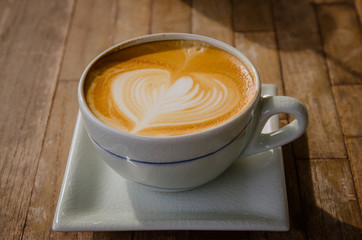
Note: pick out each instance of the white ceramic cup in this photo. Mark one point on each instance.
(182, 162)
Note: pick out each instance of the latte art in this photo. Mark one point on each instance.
(150, 99)
(167, 93)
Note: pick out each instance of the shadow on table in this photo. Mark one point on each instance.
(293, 24)
(305, 36)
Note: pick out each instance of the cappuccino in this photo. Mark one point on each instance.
(168, 88)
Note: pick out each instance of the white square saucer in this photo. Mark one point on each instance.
(250, 195)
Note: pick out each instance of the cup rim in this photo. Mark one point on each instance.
(161, 37)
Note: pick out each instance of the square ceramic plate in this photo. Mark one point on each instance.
(250, 195)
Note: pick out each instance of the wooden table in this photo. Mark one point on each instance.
(311, 50)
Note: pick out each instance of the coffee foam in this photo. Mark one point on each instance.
(169, 88)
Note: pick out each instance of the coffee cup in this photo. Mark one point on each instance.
(173, 111)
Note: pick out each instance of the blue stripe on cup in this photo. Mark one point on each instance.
(175, 162)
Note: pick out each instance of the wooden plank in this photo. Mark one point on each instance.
(329, 199)
(261, 49)
(358, 5)
(305, 77)
(171, 16)
(95, 27)
(296, 214)
(252, 15)
(349, 102)
(32, 40)
(89, 35)
(354, 147)
(132, 20)
(258, 41)
(51, 166)
(112, 235)
(212, 18)
(331, 1)
(342, 38)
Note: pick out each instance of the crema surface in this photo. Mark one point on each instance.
(168, 88)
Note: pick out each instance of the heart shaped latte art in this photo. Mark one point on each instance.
(153, 98)
(168, 88)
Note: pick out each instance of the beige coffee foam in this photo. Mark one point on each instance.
(177, 80)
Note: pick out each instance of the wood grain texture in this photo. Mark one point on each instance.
(89, 35)
(98, 25)
(252, 15)
(212, 18)
(171, 16)
(254, 36)
(355, 153)
(32, 37)
(51, 167)
(257, 40)
(349, 102)
(358, 5)
(331, 1)
(305, 78)
(261, 49)
(342, 40)
(303, 46)
(113, 235)
(131, 20)
(329, 199)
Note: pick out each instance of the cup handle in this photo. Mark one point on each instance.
(269, 106)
